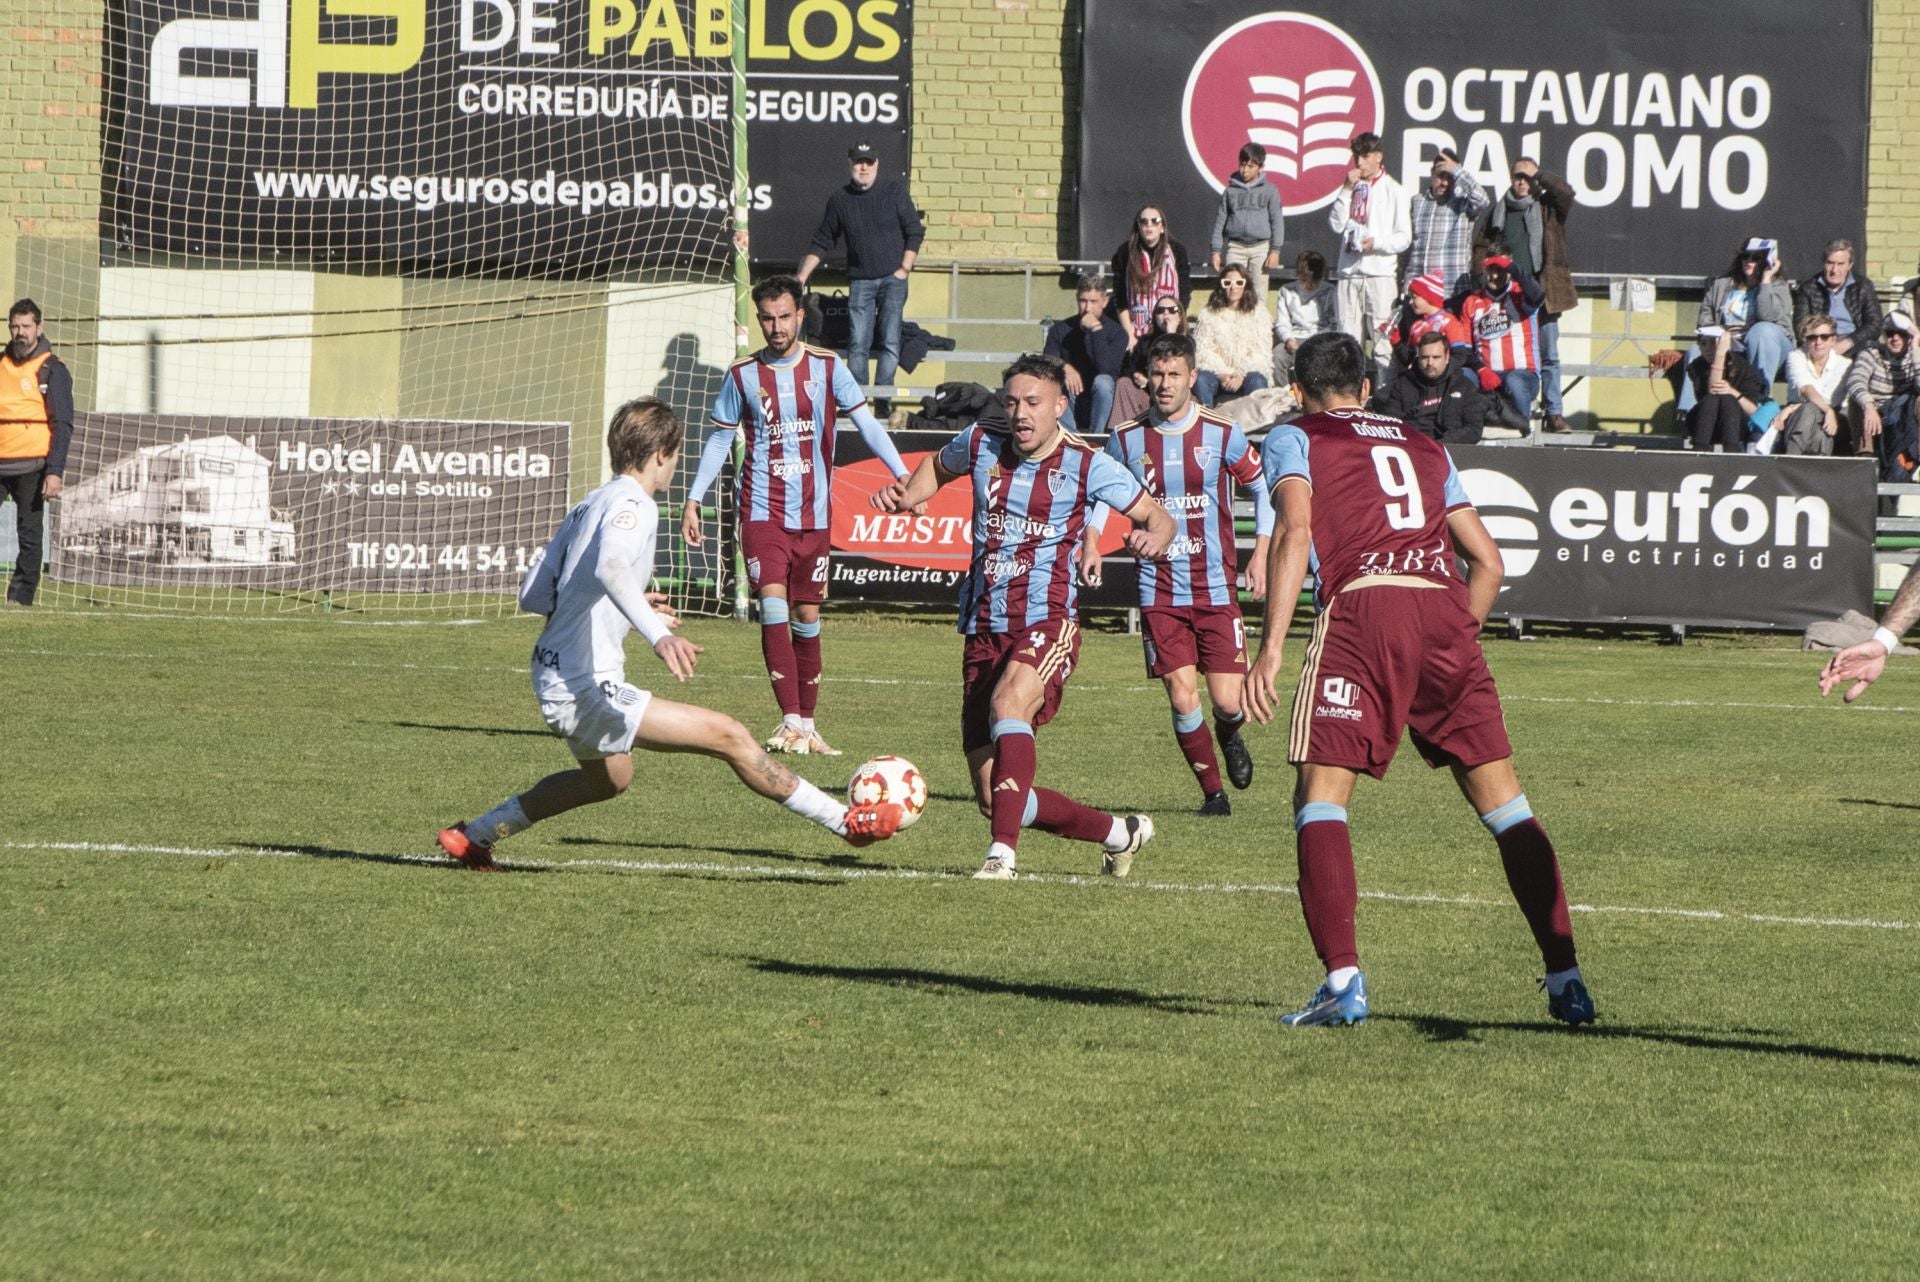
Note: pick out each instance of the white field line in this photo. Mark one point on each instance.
(1812, 705)
(657, 866)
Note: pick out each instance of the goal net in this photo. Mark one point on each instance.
(374, 274)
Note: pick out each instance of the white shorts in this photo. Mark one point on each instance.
(599, 722)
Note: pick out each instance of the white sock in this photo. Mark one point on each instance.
(809, 802)
(792, 721)
(1001, 851)
(499, 823)
(806, 724)
(1557, 982)
(1116, 836)
(1337, 980)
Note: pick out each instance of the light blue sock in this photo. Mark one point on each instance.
(1188, 722)
(1504, 817)
(773, 611)
(1318, 812)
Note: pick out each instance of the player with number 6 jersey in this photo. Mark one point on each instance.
(788, 399)
(1189, 458)
(1375, 508)
(1033, 489)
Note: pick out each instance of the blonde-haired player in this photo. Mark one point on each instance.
(592, 587)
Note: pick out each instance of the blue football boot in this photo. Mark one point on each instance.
(1574, 1005)
(1349, 1006)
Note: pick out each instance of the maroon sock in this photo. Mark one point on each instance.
(806, 665)
(1533, 873)
(1061, 815)
(776, 645)
(1197, 747)
(1328, 893)
(1014, 761)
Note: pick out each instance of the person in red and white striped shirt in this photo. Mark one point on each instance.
(1504, 315)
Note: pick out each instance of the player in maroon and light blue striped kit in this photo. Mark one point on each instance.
(1377, 510)
(790, 397)
(1189, 458)
(1033, 489)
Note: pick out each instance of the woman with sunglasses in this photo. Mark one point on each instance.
(1233, 345)
(1814, 422)
(1151, 265)
(1130, 392)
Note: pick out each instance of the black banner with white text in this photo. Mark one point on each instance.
(1684, 127)
(1646, 536)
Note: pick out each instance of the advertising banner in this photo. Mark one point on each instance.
(1647, 536)
(307, 505)
(1683, 127)
(923, 559)
(466, 136)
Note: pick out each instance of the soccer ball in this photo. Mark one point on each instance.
(890, 779)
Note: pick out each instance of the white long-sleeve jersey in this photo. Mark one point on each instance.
(592, 586)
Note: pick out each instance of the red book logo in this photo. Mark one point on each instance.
(1297, 85)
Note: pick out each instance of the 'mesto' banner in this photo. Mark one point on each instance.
(1615, 536)
(1683, 127)
(466, 136)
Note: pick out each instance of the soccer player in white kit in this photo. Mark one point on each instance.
(592, 587)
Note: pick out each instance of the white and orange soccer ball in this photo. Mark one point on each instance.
(890, 779)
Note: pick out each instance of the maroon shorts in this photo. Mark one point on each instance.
(1050, 648)
(795, 559)
(1388, 658)
(1211, 638)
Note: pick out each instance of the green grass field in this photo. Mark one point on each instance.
(247, 1030)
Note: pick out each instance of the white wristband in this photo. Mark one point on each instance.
(1887, 639)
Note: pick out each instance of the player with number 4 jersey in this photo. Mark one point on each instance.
(1033, 490)
(1376, 510)
(787, 399)
(1189, 458)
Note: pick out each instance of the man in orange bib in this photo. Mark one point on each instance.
(36, 422)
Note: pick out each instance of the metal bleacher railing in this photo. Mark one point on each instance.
(1619, 353)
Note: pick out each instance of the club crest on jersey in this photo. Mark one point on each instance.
(1204, 455)
(1055, 479)
(625, 521)
(814, 387)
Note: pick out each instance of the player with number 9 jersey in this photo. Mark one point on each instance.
(1378, 512)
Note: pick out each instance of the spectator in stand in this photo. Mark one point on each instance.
(1436, 395)
(1306, 307)
(1815, 420)
(1504, 318)
(1247, 229)
(1529, 225)
(1444, 214)
(1752, 304)
(1233, 346)
(1424, 312)
(1373, 217)
(1842, 294)
(36, 426)
(1727, 391)
(1880, 390)
(1151, 265)
(1130, 393)
(883, 232)
(1093, 347)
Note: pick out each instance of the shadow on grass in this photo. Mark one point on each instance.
(945, 981)
(734, 879)
(844, 860)
(490, 731)
(1445, 1028)
(1875, 801)
(374, 857)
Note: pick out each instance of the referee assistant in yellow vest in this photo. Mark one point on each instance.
(36, 422)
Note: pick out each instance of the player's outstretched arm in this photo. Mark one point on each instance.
(713, 458)
(903, 496)
(874, 433)
(1153, 529)
(1286, 573)
(1862, 664)
(1485, 568)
